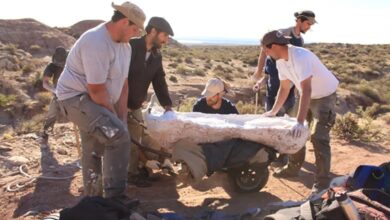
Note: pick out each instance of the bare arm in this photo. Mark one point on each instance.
(260, 65)
(99, 94)
(121, 105)
(304, 101)
(46, 84)
(284, 90)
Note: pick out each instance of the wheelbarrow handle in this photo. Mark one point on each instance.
(158, 152)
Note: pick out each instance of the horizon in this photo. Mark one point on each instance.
(339, 21)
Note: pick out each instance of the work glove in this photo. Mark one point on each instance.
(169, 115)
(297, 130)
(153, 164)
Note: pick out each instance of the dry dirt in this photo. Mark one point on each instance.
(59, 159)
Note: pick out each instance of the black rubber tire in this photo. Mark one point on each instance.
(249, 178)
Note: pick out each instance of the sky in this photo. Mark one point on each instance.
(339, 21)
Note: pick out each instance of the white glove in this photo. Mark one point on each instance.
(169, 115)
(256, 87)
(153, 164)
(297, 130)
(268, 114)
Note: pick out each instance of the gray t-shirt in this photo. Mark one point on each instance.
(95, 59)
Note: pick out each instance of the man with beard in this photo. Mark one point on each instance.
(146, 68)
(304, 20)
(317, 90)
(212, 101)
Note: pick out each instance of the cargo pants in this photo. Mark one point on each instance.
(51, 115)
(135, 123)
(105, 146)
(321, 117)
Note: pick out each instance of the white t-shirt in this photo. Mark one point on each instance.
(301, 64)
(95, 59)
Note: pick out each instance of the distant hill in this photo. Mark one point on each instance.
(33, 36)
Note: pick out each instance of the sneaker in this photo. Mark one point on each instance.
(285, 172)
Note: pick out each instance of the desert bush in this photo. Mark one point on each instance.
(182, 70)
(369, 92)
(186, 104)
(248, 108)
(30, 126)
(6, 100)
(179, 60)
(35, 48)
(43, 97)
(199, 72)
(173, 65)
(353, 127)
(11, 48)
(173, 78)
(386, 118)
(28, 69)
(188, 60)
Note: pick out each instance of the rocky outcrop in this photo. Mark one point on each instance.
(33, 36)
(80, 27)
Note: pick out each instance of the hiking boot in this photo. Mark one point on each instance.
(139, 181)
(286, 172)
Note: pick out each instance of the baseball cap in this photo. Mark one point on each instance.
(132, 12)
(309, 15)
(275, 37)
(161, 24)
(213, 87)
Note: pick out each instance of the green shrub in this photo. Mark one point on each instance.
(173, 78)
(186, 105)
(248, 108)
(32, 125)
(173, 65)
(354, 127)
(188, 60)
(199, 72)
(44, 97)
(28, 68)
(6, 100)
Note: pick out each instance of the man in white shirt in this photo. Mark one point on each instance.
(317, 88)
(92, 93)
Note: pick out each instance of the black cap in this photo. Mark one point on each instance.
(59, 56)
(160, 24)
(275, 37)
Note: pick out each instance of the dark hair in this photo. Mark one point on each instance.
(304, 15)
(149, 28)
(302, 18)
(117, 16)
(269, 46)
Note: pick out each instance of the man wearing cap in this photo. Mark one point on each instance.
(92, 92)
(303, 21)
(212, 101)
(146, 68)
(51, 73)
(317, 88)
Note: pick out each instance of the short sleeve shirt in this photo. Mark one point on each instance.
(95, 59)
(53, 71)
(302, 64)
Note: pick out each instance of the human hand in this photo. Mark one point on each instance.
(268, 114)
(297, 130)
(169, 115)
(153, 164)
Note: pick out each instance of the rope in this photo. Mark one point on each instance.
(19, 184)
(285, 184)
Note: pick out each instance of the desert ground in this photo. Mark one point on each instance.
(361, 134)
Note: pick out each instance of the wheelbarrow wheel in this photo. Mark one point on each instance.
(249, 178)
